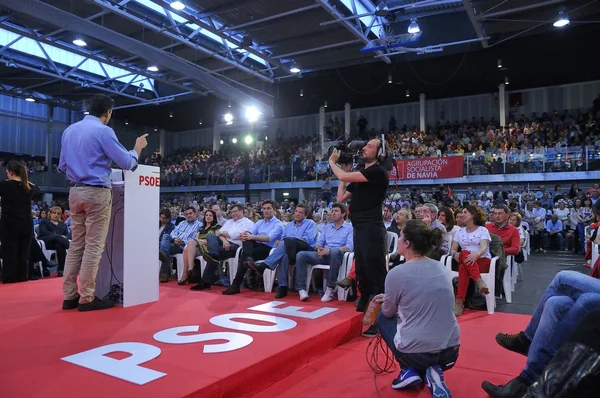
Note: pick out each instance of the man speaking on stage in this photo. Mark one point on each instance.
(366, 190)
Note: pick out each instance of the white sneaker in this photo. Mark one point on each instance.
(303, 295)
(328, 295)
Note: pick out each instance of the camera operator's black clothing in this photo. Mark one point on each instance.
(369, 231)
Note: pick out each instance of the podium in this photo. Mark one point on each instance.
(127, 273)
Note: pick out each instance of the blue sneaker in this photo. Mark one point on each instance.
(407, 377)
(434, 378)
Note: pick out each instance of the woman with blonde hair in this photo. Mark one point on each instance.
(56, 235)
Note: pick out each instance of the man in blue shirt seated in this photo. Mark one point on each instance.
(257, 244)
(174, 242)
(336, 239)
(554, 229)
(300, 235)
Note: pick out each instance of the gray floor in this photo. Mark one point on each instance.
(539, 271)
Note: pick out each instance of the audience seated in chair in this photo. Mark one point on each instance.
(416, 319)
(256, 244)
(165, 226)
(299, 235)
(174, 242)
(474, 257)
(55, 235)
(198, 247)
(569, 297)
(336, 239)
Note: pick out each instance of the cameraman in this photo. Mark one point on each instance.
(367, 189)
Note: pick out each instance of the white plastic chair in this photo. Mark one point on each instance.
(526, 248)
(392, 246)
(507, 281)
(489, 279)
(47, 253)
(179, 262)
(594, 253)
(269, 275)
(232, 263)
(343, 272)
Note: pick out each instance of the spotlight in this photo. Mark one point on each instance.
(248, 140)
(11, 64)
(414, 27)
(562, 20)
(152, 68)
(79, 42)
(506, 82)
(221, 142)
(234, 140)
(228, 117)
(126, 122)
(200, 122)
(30, 99)
(325, 104)
(266, 138)
(171, 114)
(155, 129)
(229, 104)
(295, 69)
(252, 114)
(302, 92)
(390, 79)
(177, 5)
(408, 93)
(86, 113)
(499, 63)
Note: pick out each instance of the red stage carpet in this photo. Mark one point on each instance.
(344, 373)
(35, 334)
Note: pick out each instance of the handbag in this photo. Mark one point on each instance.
(520, 258)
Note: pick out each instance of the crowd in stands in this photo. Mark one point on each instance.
(550, 142)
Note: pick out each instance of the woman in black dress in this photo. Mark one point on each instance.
(16, 228)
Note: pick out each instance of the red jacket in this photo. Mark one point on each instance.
(510, 238)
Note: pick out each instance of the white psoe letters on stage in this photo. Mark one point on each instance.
(130, 369)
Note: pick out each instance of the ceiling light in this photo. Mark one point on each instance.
(155, 129)
(30, 99)
(325, 104)
(200, 122)
(286, 194)
(171, 114)
(11, 64)
(506, 81)
(221, 142)
(295, 69)
(302, 92)
(79, 42)
(228, 117)
(126, 122)
(177, 5)
(408, 93)
(234, 140)
(248, 140)
(390, 79)
(499, 63)
(86, 112)
(413, 27)
(266, 138)
(562, 20)
(152, 68)
(252, 114)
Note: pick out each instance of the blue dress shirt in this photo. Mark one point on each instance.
(186, 231)
(87, 149)
(307, 230)
(333, 237)
(273, 228)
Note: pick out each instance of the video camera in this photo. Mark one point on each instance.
(350, 153)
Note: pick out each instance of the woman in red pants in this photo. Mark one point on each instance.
(474, 257)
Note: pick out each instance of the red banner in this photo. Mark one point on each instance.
(428, 168)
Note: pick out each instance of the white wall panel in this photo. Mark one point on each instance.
(188, 139)
(462, 108)
(577, 96)
(307, 125)
(379, 117)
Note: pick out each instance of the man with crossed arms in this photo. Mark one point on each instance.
(337, 238)
(300, 235)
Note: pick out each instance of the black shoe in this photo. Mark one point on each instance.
(231, 290)
(251, 265)
(371, 331)
(516, 388)
(59, 274)
(45, 272)
(281, 292)
(97, 304)
(163, 278)
(163, 257)
(201, 286)
(514, 342)
(71, 304)
(362, 305)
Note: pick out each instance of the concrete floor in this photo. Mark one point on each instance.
(539, 271)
